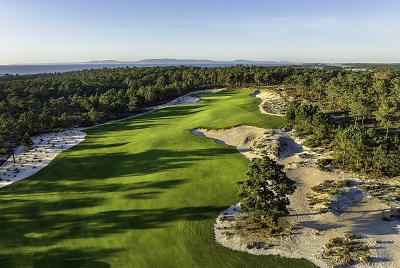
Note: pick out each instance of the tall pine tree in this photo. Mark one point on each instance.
(265, 191)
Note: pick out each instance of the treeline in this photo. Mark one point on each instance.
(333, 106)
(375, 66)
(356, 113)
(32, 104)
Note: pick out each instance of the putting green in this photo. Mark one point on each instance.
(139, 193)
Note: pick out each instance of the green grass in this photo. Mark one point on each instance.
(139, 193)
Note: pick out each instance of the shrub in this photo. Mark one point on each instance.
(323, 162)
(345, 250)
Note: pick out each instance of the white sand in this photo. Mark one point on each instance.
(240, 137)
(267, 96)
(44, 149)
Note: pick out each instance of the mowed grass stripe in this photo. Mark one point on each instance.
(139, 193)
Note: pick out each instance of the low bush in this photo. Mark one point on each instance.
(323, 162)
(346, 250)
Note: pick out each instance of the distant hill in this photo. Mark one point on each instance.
(195, 62)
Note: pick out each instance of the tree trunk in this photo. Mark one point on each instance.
(387, 133)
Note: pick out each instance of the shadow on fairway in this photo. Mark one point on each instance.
(215, 96)
(120, 126)
(30, 223)
(36, 222)
(60, 257)
(23, 194)
(175, 111)
(113, 165)
(145, 121)
(96, 145)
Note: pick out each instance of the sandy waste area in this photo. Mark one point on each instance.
(353, 211)
(43, 150)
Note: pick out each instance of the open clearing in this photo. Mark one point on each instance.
(138, 193)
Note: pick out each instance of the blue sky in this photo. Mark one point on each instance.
(38, 31)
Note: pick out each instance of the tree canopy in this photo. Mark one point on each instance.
(265, 191)
(325, 99)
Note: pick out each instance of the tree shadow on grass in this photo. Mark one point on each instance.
(77, 196)
(173, 112)
(149, 120)
(42, 228)
(215, 96)
(128, 124)
(95, 145)
(120, 171)
(36, 222)
(60, 257)
(114, 165)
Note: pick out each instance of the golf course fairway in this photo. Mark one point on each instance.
(143, 192)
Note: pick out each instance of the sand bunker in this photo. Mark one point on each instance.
(272, 102)
(255, 142)
(187, 99)
(44, 149)
(240, 137)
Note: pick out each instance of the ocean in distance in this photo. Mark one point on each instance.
(23, 69)
(61, 68)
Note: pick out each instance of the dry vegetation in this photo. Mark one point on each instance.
(346, 250)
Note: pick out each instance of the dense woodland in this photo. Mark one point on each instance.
(32, 104)
(356, 113)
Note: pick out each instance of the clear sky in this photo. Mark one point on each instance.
(39, 31)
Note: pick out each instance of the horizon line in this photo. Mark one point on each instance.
(110, 61)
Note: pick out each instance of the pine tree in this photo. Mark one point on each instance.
(265, 191)
(26, 140)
